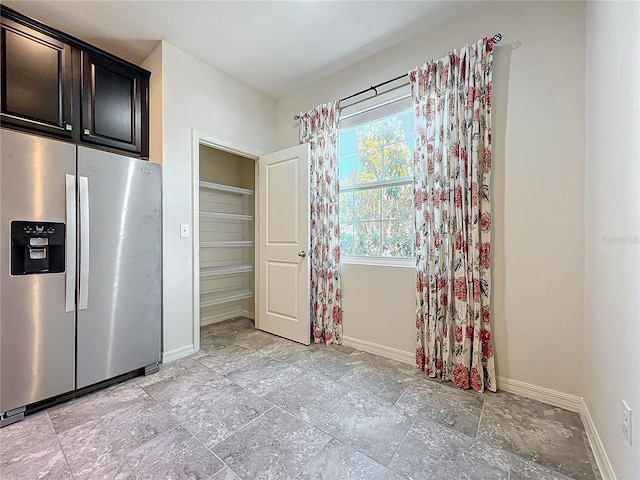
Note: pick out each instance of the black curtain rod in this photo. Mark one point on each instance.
(496, 38)
(374, 87)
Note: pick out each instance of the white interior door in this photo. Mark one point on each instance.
(282, 262)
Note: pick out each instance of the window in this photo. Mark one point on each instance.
(376, 186)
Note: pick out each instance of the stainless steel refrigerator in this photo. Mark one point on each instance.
(80, 283)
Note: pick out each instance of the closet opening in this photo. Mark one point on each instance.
(223, 240)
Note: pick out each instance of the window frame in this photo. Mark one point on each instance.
(374, 113)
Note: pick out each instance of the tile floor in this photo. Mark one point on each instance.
(250, 405)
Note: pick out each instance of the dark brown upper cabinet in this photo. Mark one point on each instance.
(56, 85)
(36, 80)
(111, 104)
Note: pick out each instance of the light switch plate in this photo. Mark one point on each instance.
(184, 230)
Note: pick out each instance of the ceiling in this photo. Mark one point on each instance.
(275, 47)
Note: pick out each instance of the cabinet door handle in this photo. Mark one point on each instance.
(87, 132)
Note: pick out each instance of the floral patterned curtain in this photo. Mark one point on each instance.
(319, 128)
(452, 118)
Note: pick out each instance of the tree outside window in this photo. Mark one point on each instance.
(376, 188)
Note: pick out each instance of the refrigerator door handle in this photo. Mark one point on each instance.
(70, 261)
(84, 243)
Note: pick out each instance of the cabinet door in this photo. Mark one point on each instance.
(36, 80)
(111, 104)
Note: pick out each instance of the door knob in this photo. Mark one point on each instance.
(302, 254)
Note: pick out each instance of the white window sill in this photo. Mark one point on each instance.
(379, 261)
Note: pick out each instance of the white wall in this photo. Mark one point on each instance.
(380, 306)
(538, 188)
(198, 97)
(612, 198)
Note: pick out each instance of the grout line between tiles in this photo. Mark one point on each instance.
(224, 464)
(480, 419)
(116, 460)
(395, 404)
(317, 427)
(400, 396)
(243, 427)
(361, 452)
(200, 441)
(401, 442)
(66, 460)
(352, 446)
(345, 374)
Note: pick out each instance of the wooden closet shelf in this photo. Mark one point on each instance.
(231, 244)
(225, 188)
(226, 270)
(225, 216)
(224, 296)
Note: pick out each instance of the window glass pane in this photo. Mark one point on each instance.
(347, 141)
(369, 161)
(406, 121)
(397, 202)
(370, 134)
(397, 239)
(411, 147)
(398, 160)
(346, 207)
(348, 174)
(367, 204)
(377, 221)
(346, 239)
(393, 132)
(382, 150)
(367, 238)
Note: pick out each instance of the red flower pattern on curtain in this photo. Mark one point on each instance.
(319, 128)
(452, 121)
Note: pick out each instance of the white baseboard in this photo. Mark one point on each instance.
(221, 317)
(602, 459)
(173, 355)
(542, 394)
(546, 395)
(382, 350)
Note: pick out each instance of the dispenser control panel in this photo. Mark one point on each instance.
(37, 247)
(40, 230)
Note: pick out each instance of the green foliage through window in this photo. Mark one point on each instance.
(376, 188)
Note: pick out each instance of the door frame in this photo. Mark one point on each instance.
(200, 138)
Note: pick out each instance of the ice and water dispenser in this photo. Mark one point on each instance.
(37, 247)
